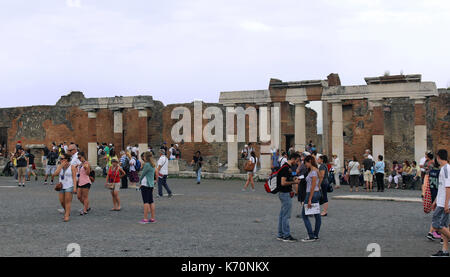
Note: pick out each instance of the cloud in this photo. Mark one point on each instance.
(73, 3)
(254, 26)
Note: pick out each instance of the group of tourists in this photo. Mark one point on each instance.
(306, 176)
(21, 165)
(76, 176)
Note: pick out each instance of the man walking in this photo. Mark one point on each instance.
(442, 202)
(286, 180)
(163, 169)
(52, 158)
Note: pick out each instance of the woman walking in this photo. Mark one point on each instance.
(197, 162)
(84, 183)
(312, 197)
(147, 184)
(68, 182)
(253, 160)
(115, 174)
(324, 182)
(354, 169)
(379, 173)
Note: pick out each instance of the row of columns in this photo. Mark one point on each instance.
(118, 133)
(337, 135)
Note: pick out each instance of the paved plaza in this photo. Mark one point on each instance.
(212, 219)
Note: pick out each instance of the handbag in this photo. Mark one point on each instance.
(58, 187)
(249, 166)
(427, 203)
(330, 188)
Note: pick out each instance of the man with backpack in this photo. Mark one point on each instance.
(285, 180)
(52, 159)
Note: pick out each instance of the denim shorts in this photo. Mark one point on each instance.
(440, 218)
(66, 190)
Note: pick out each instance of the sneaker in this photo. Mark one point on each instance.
(436, 235)
(45, 183)
(170, 195)
(253, 190)
(152, 221)
(61, 211)
(198, 183)
(280, 238)
(144, 221)
(289, 239)
(440, 254)
(430, 237)
(309, 240)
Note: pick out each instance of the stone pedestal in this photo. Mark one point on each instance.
(173, 166)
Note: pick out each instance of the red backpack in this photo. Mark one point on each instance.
(272, 185)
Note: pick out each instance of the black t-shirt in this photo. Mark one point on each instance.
(46, 151)
(198, 160)
(325, 176)
(21, 161)
(367, 164)
(52, 158)
(30, 158)
(285, 172)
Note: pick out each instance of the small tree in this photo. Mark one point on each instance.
(387, 73)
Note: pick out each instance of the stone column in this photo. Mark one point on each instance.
(143, 131)
(378, 129)
(118, 131)
(420, 129)
(232, 144)
(264, 137)
(276, 126)
(337, 131)
(92, 141)
(300, 127)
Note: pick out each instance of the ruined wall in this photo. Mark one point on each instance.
(358, 122)
(44, 125)
(217, 151)
(399, 130)
(438, 121)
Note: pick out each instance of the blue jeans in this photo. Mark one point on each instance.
(199, 175)
(162, 182)
(312, 234)
(285, 214)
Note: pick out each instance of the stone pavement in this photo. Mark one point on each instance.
(212, 219)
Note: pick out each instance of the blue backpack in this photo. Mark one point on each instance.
(138, 165)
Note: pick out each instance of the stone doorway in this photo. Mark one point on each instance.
(4, 137)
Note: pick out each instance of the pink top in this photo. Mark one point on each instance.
(84, 177)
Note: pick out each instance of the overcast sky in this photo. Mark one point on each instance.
(179, 51)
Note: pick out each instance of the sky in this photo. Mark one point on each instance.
(184, 50)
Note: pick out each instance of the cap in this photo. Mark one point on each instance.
(114, 160)
(162, 151)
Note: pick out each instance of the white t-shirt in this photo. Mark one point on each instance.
(75, 161)
(444, 183)
(164, 163)
(353, 166)
(172, 153)
(371, 157)
(336, 164)
(254, 160)
(144, 182)
(422, 163)
(135, 150)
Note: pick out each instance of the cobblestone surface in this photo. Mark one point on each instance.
(212, 219)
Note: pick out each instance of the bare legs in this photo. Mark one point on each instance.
(116, 200)
(149, 208)
(249, 180)
(83, 196)
(66, 202)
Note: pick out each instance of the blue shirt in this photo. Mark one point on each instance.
(275, 162)
(379, 167)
